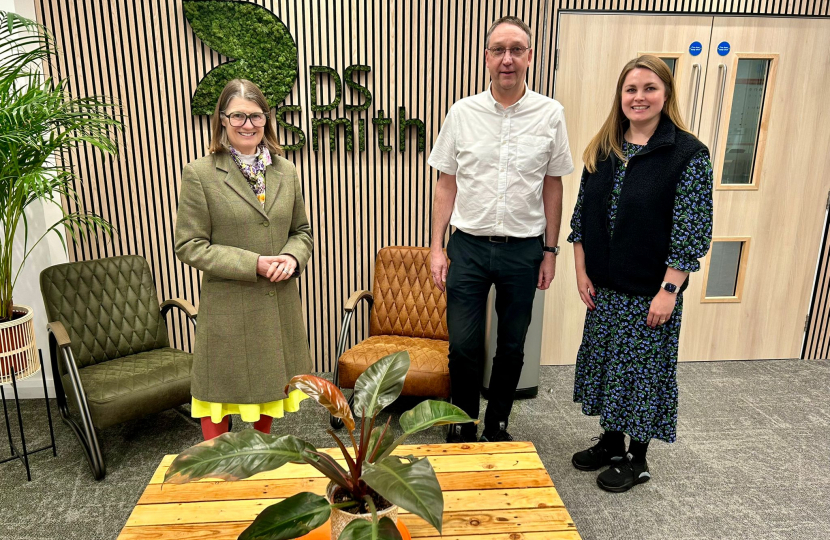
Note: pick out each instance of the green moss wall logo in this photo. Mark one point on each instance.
(262, 50)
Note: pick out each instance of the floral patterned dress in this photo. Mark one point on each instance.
(626, 372)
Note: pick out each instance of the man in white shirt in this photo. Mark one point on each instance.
(501, 155)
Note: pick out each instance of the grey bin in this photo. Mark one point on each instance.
(529, 381)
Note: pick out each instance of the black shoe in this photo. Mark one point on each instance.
(499, 435)
(597, 457)
(622, 477)
(459, 435)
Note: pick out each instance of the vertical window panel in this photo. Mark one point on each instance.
(743, 133)
(725, 270)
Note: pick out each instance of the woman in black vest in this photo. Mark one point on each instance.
(642, 220)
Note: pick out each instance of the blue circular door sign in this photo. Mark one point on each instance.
(695, 48)
(723, 48)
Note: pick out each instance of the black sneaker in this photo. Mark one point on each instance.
(499, 435)
(622, 477)
(597, 457)
(457, 434)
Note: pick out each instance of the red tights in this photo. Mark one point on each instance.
(211, 430)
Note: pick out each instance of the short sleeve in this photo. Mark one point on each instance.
(443, 155)
(560, 162)
(692, 216)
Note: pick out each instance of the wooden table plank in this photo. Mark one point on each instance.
(253, 489)
(199, 531)
(493, 521)
(243, 510)
(440, 463)
(545, 535)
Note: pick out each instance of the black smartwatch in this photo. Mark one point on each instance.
(551, 249)
(669, 287)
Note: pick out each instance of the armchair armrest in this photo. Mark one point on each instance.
(60, 334)
(181, 304)
(356, 297)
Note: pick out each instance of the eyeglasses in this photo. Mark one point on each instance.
(238, 119)
(515, 52)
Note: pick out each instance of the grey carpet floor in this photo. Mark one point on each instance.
(751, 460)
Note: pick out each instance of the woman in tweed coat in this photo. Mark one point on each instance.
(242, 222)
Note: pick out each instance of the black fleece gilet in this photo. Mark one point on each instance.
(633, 261)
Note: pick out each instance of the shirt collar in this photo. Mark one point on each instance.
(498, 106)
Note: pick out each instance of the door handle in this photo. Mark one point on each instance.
(696, 69)
(721, 70)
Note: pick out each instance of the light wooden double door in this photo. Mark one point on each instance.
(756, 94)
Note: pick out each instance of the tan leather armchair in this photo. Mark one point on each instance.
(408, 312)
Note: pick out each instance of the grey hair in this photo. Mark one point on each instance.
(515, 21)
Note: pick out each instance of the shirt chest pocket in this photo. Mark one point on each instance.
(532, 153)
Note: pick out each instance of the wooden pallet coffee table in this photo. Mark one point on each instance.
(492, 491)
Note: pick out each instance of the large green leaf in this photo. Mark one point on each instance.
(326, 394)
(412, 486)
(425, 415)
(296, 516)
(432, 413)
(360, 529)
(234, 456)
(380, 384)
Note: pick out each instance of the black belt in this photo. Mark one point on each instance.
(500, 239)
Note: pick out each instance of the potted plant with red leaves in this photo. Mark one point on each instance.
(374, 481)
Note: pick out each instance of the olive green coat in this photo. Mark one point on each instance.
(250, 336)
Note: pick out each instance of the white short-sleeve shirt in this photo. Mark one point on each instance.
(500, 157)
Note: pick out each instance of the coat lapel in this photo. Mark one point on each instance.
(237, 182)
(273, 181)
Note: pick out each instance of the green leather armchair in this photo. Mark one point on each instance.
(108, 343)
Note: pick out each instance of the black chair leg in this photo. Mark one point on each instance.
(85, 432)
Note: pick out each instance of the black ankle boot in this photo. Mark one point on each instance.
(600, 455)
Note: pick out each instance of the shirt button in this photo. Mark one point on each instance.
(271, 293)
(502, 169)
(265, 224)
(499, 222)
(504, 141)
(501, 197)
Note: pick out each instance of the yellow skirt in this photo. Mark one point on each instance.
(249, 412)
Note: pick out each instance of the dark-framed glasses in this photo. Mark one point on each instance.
(238, 119)
(515, 52)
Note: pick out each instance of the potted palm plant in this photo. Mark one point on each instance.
(374, 481)
(40, 122)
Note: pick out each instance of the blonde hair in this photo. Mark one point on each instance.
(245, 89)
(610, 136)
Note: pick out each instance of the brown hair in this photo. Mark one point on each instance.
(515, 21)
(610, 136)
(244, 89)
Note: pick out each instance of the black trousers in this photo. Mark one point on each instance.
(476, 263)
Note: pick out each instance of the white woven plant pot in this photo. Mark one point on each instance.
(339, 518)
(18, 351)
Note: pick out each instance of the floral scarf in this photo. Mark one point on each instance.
(254, 174)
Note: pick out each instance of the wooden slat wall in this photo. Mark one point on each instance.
(806, 8)
(817, 327)
(423, 55)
